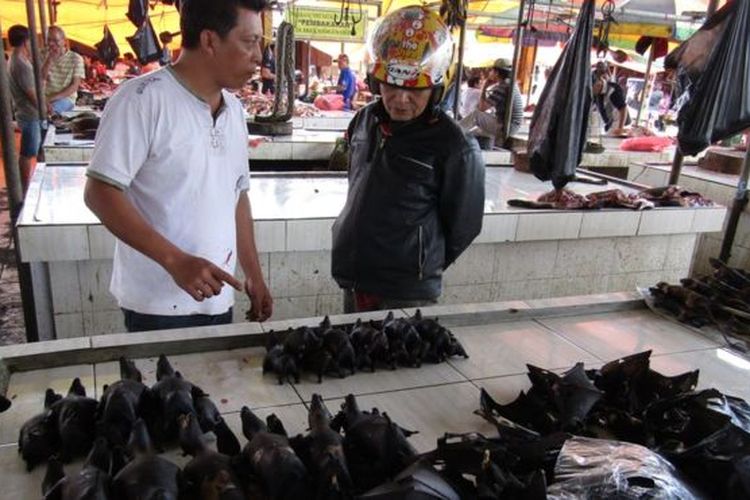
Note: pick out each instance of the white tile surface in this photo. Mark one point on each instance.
(576, 258)
(707, 220)
(308, 235)
(65, 287)
(270, 236)
(607, 224)
(474, 266)
(432, 411)
(69, 325)
(295, 274)
(719, 368)
(383, 380)
(612, 335)
(467, 294)
(26, 392)
(525, 261)
(680, 251)
(639, 254)
(666, 221)
(554, 226)
(101, 242)
(498, 228)
(51, 243)
(232, 378)
(294, 418)
(95, 276)
(506, 348)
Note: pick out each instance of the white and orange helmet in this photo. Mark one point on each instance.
(410, 47)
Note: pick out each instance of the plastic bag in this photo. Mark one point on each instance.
(716, 60)
(598, 468)
(558, 128)
(145, 44)
(107, 48)
(648, 144)
(137, 12)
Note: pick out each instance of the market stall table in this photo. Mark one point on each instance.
(499, 337)
(520, 254)
(717, 186)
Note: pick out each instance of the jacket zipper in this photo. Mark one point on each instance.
(421, 253)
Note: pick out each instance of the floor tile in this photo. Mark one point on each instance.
(26, 392)
(20, 484)
(432, 411)
(719, 368)
(505, 389)
(233, 378)
(506, 348)
(613, 335)
(382, 380)
(294, 418)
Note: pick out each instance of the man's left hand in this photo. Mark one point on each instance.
(261, 302)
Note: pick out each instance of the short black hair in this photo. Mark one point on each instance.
(17, 35)
(473, 81)
(219, 16)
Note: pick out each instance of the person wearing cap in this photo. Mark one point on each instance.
(609, 99)
(416, 180)
(488, 120)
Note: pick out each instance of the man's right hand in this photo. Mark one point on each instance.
(200, 278)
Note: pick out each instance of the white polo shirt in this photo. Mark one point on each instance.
(184, 172)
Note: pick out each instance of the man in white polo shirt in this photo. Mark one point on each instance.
(169, 177)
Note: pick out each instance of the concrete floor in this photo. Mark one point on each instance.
(433, 399)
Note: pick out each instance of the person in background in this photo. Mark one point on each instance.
(488, 120)
(169, 177)
(62, 71)
(23, 93)
(470, 96)
(268, 70)
(609, 100)
(416, 180)
(133, 67)
(347, 84)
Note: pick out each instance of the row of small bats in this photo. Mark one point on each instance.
(122, 435)
(342, 349)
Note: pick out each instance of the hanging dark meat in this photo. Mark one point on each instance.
(558, 128)
(716, 63)
(137, 12)
(145, 44)
(107, 48)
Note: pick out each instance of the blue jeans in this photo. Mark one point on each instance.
(137, 322)
(61, 105)
(31, 137)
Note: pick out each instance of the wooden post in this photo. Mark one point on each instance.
(738, 206)
(36, 60)
(43, 21)
(459, 72)
(514, 66)
(15, 200)
(646, 85)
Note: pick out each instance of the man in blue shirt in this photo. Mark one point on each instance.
(347, 85)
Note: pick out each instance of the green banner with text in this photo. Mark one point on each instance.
(312, 23)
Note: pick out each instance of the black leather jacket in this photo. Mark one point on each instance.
(415, 202)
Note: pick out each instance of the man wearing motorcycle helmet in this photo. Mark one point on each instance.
(416, 181)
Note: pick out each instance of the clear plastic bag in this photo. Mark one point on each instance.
(596, 468)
